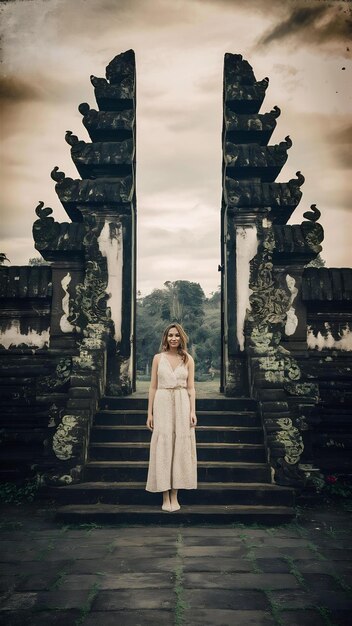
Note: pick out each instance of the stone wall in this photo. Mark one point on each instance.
(34, 377)
(327, 297)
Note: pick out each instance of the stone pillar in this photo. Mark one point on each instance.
(250, 201)
(105, 201)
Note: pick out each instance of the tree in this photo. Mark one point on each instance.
(184, 302)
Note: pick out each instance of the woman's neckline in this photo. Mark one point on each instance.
(169, 362)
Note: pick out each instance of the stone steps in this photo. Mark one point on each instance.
(229, 434)
(195, 514)
(207, 470)
(234, 479)
(139, 451)
(202, 404)
(206, 493)
(206, 418)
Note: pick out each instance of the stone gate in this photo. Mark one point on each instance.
(68, 328)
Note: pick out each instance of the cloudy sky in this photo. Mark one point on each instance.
(51, 47)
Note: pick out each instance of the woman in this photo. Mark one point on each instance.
(172, 419)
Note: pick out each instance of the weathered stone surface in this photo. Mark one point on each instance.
(108, 125)
(61, 599)
(148, 617)
(121, 65)
(298, 240)
(281, 198)
(112, 566)
(25, 282)
(323, 283)
(276, 553)
(134, 599)
(245, 581)
(213, 564)
(19, 602)
(334, 600)
(227, 541)
(273, 565)
(321, 582)
(103, 153)
(95, 192)
(223, 617)
(40, 618)
(247, 160)
(134, 580)
(244, 127)
(212, 551)
(234, 599)
(54, 236)
(307, 617)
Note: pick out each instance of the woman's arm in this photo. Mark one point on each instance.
(191, 390)
(152, 389)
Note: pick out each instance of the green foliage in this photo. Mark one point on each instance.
(12, 493)
(85, 609)
(331, 486)
(184, 302)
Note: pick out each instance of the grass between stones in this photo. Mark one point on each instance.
(275, 607)
(340, 581)
(315, 551)
(250, 556)
(60, 577)
(85, 609)
(181, 605)
(325, 615)
(295, 571)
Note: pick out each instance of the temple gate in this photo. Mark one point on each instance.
(67, 336)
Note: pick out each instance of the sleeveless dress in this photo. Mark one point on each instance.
(172, 455)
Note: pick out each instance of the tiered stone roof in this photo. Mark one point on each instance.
(250, 166)
(107, 165)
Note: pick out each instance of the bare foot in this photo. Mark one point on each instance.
(166, 506)
(173, 500)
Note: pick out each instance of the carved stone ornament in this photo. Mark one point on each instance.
(57, 379)
(65, 437)
(45, 229)
(274, 365)
(89, 306)
(291, 438)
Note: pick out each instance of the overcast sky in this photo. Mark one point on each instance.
(51, 47)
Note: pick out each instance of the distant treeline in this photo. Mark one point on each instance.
(184, 302)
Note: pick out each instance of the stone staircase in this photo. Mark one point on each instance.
(233, 475)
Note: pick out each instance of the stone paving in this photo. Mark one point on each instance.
(293, 575)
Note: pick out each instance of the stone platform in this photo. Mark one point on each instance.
(294, 574)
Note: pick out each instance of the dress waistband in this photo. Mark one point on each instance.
(173, 388)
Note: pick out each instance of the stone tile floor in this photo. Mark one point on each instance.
(292, 575)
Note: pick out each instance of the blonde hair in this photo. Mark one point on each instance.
(182, 348)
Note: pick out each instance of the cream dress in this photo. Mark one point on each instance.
(172, 457)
